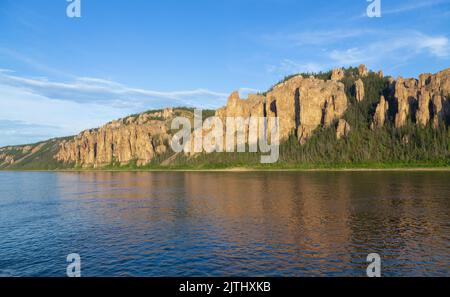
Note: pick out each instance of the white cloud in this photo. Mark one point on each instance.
(48, 117)
(87, 89)
(398, 47)
(46, 109)
(438, 46)
(377, 49)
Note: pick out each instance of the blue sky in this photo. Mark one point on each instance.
(60, 75)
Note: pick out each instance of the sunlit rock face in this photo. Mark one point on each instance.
(337, 74)
(136, 138)
(426, 98)
(359, 90)
(362, 70)
(380, 115)
(343, 129)
(301, 104)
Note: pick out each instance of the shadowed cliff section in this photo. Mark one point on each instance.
(342, 118)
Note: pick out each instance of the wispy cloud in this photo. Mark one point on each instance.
(95, 90)
(395, 47)
(375, 48)
(20, 132)
(34, 109)
(288, 66)
(30, 61)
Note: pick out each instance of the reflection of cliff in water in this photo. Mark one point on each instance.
(304, 219)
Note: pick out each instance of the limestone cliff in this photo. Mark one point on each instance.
(380, 116)
(359, 90)
(425, 99)
(343, 129)
(337, 74)
(133, 139)
(302, 105)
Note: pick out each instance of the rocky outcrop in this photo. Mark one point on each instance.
(423, 99)
(301, 104)
(362, 70)
(438, 110)
(337, 74)
(380, 115)
(237, 107)
(423, 112)
(406, 97)
(359, 90)
(342, 129)
(134, 139)
(6, 159)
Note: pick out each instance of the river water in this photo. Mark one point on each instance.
(225, 223)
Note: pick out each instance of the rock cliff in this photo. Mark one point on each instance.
(343, 129)
(380, 115)
(359, 90)
(133, 139)
(337, 74)
(424, 100)
(302, 105)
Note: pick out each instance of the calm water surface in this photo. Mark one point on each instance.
(222, 224)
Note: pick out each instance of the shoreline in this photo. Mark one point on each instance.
(238, 170)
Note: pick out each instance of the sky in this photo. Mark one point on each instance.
(61, 75)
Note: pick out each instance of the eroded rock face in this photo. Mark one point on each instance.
(337, 74)
(425, 98)
(237, 107)
(305, 104)
(362, 70)
(138, 139)
(423, 112)
(9, 160)
(15, 155)
(359, 90)
(380, 115)
(342, 129)
(6, 159)
(406, 96)
(438, 110)
(302, 105)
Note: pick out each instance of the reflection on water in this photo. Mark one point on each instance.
(221, 224)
